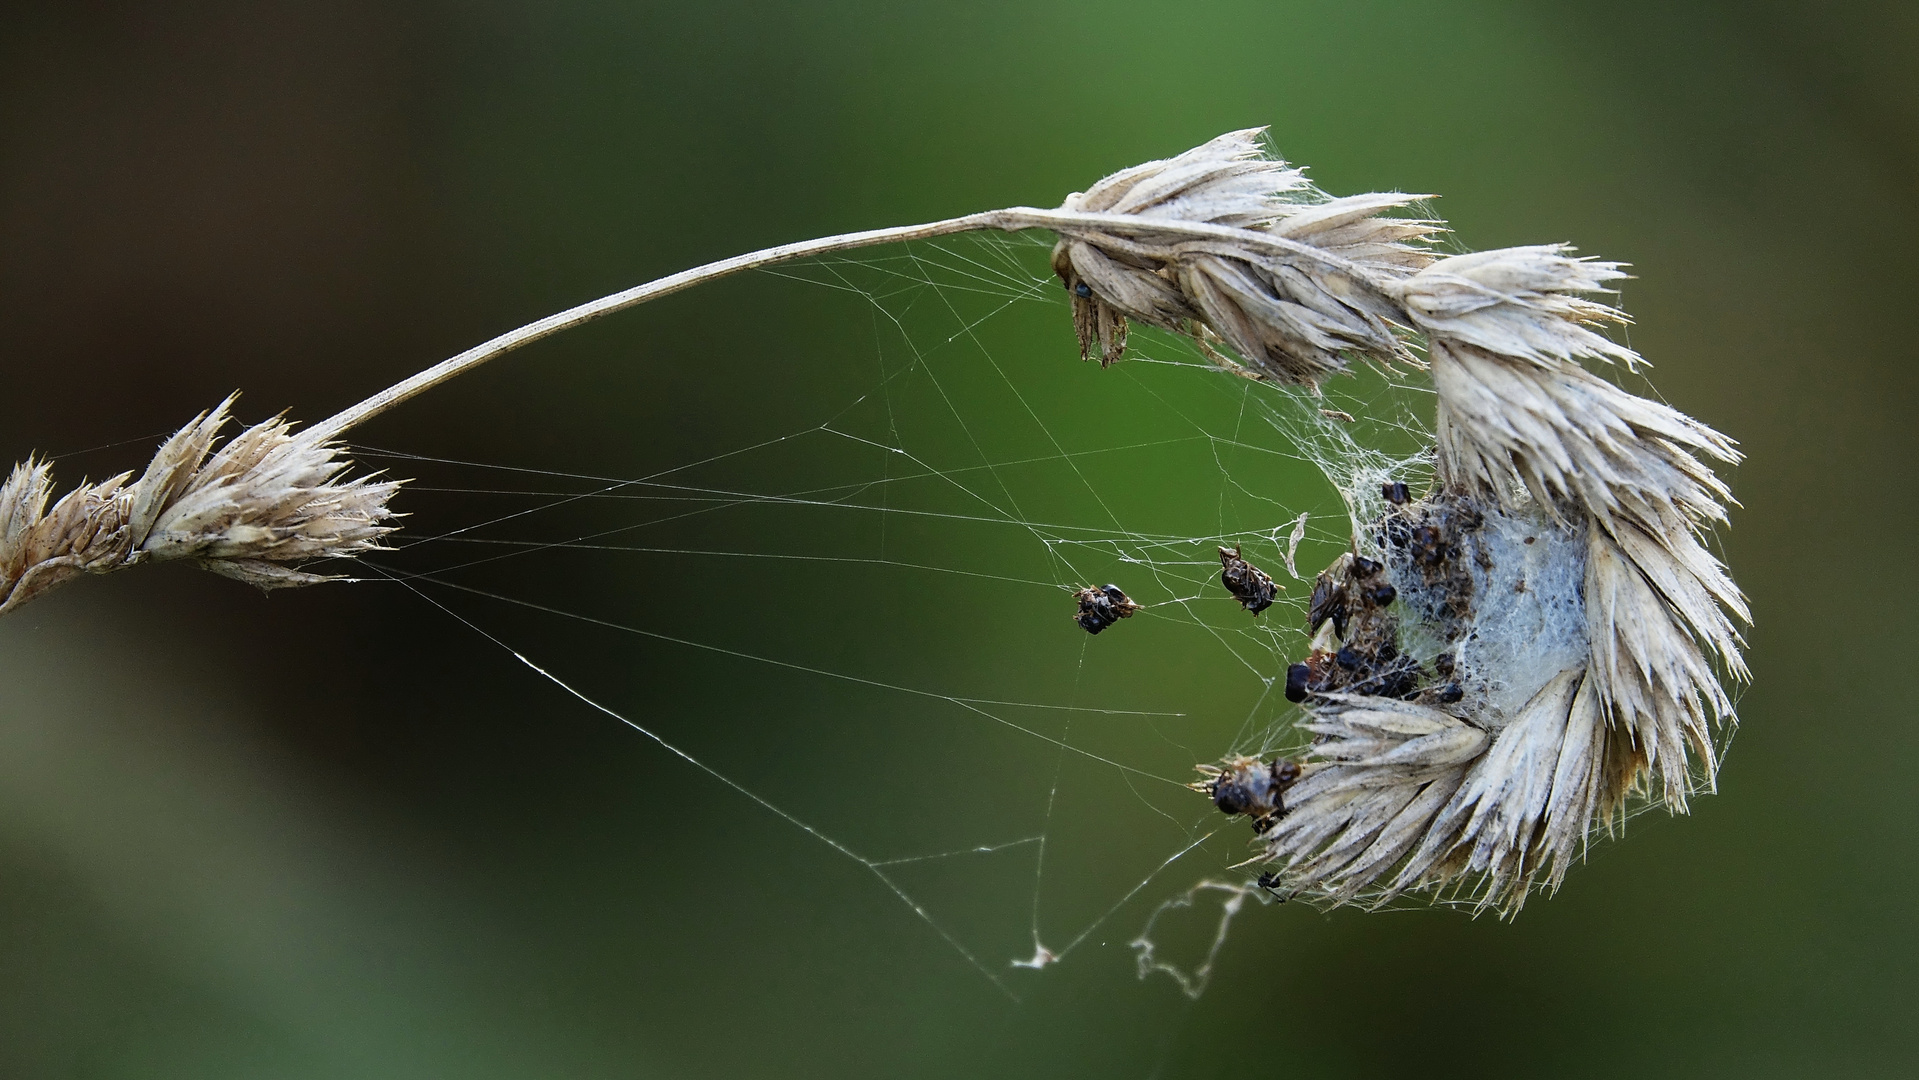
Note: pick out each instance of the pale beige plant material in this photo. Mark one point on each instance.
(248, 509)
(1293, 312)
(1489, 784)
(1401, 795)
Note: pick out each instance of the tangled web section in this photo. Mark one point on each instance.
(898, 595)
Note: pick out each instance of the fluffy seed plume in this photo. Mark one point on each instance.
(249, 509)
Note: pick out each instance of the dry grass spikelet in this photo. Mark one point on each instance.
(1517, 413)
(1293, 308)
(1407, 787)
(249, 509)
(1525, 431)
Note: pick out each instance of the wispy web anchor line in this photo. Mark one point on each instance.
(877, 867)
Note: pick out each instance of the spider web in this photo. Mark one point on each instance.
(930, 534)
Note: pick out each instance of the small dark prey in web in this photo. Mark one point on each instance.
(1248, 583)
(1252, 787)
(1434, 544)
(1270, 881)
(1100, 608)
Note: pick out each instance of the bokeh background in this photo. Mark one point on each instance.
(339, 833)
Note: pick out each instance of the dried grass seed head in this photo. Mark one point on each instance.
(1293, 288)
(250, 509)
(267, 496)
(41, 548)
(1459, 750)
(1440, 788)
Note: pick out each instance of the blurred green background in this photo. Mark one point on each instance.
(338, 833)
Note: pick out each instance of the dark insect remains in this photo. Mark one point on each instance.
(1248, 583)
(1100, 608)
(1275, 885)
(1435, 544)
(1252, 787)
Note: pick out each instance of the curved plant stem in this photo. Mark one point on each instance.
(1012, 219)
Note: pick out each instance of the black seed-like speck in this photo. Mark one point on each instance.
(1231, 798)
(1296, 677)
